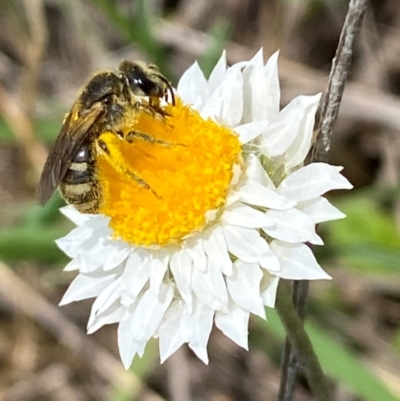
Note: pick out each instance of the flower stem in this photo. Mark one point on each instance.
(289, 361)
(301, 349)
(326, 120)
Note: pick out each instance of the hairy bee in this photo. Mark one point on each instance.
(101, 106)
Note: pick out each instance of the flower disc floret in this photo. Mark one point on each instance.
(187, 165)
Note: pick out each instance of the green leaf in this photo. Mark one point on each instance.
(6, 135)
(43, 216)
(371, 257)
(31, 243)
(338, 361)
(368, 238)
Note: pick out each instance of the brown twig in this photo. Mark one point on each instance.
(337, 79)
(327, 118)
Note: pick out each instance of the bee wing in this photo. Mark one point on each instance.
(73, 132)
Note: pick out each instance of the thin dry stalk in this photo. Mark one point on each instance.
(337, 79)
(327, 118)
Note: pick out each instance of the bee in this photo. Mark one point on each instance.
(101, 106)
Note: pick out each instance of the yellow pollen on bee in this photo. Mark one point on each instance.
(158, 190)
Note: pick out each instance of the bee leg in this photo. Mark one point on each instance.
(107, 144)
(153, 108)
(131, 136)
(141, 182)
(155, 105)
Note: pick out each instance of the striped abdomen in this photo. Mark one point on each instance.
(79, 185)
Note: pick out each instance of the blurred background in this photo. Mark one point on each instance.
(48, 49)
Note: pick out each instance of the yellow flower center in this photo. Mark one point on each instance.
(159, 183)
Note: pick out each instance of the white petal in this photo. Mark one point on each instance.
(181, 268)
(97, 221)
(92, 259)
(292, 226)
(255, 64)
(268, 260)
(159, 264)
(114, 314)
(232, 93)
(196, 329)
(311, 181)
(213, 108)
(170, 338)
(150, 311)
(229, 111)
(85, 286)
(265, 97)
(74, 215)
(256, 172)
(242, 215)
(74, 264)
(128, 346)
(282, 131)
(216, 249)
(297, 262)
(107, 297)
(256, 194)
(194, 248)
(320, 210)
(274, 91)
(218, 73)
(298, 151)
(117, 253)
(135, 275)
(247, 132)
(210, 288)
(234, 324)
(71, 243)
(242, 242)
(193, 87)
(269, 286)
(244, 287)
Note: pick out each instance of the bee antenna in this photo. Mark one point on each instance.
(171, 91)
(169, 86)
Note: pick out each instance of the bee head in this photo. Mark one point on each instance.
(145, 79)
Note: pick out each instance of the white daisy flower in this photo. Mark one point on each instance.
(233, 213)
